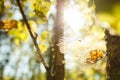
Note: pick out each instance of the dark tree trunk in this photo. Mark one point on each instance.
(58, 31)
(56, 71)
(113, 57)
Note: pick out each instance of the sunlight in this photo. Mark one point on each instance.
(74, 18)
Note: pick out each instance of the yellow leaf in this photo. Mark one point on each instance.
(33, 25)
(23, 36)
(17, 41)
(31, 14)
(45, 35)
(42, 8)
(19, 33)
(43, 47)
(20, 25)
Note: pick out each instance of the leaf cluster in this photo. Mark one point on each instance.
(44, 40)
(19, 34)
(41, 8)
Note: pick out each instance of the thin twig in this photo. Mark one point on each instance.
(32, 36)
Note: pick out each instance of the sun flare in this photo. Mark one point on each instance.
(74, 18)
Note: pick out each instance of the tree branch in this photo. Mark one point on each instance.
(32, 36)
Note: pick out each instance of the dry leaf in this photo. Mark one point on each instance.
(95, 55)
(8, 24)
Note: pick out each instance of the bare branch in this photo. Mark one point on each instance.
(32, 36)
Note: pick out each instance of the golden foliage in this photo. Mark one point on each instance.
(43, 47)
(42, 8)
(45, 35)
(19, 34)
(8, 24)
(44, 40)
(95, 55)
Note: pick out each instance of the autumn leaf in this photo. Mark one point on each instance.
(95, 55)
(8, 24)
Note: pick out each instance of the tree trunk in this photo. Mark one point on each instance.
(113, 57)
(57, 68)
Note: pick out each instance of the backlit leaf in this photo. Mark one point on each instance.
(19, 34)
(45, 35)
(8, 24)
(41, 8)
(43, 47)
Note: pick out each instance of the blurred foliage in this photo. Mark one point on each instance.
(1, 7)
(113, 17)
(87, 74)
(44, 40)
(42, 8)
(19, 34)
(45, 36)
(33, 26)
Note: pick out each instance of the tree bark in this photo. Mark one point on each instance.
(57, 70)
(113, 56)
